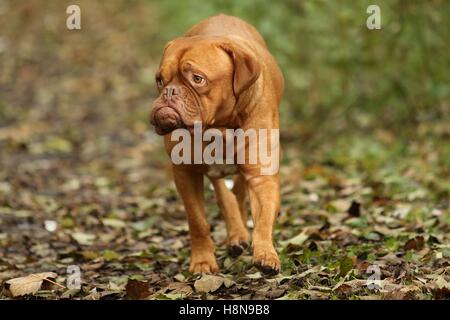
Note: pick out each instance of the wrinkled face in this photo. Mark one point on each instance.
(195, 81)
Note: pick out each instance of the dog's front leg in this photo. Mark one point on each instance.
(264, 192)
(190, 187)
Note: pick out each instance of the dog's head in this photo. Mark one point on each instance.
(200, 78)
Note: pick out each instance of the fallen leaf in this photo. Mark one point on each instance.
(110, 255)
(83, 238)
(114, 223)
(208, 283)
(406, 293)
(256, 275)
(441, 293)
(275, 293)
(29, 284)
(345, 266)
(355, 209)
(297, 240)
(136, 289)
(228, 282)
(442, 283)
(180, 288)
(340, 205)
(416, 243)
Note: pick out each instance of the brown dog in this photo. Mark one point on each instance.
(221, 74)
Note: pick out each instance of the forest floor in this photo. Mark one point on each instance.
(84, 183)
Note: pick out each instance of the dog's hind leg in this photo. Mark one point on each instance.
(237, 234)
(240, 191)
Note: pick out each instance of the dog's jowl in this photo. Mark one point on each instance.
(221, 75)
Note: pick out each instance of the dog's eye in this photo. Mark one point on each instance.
(198, 79)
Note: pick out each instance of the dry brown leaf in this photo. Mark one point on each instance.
(180, 288)
(416, 243)
(208, 283)
(136, 289)
(355, 209)
(406, 293)
(341, 205)
(29, 284)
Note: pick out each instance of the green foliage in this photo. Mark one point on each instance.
(335, 68)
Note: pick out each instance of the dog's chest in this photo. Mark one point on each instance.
(221, 170)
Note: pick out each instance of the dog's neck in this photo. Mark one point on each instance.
(249, 106)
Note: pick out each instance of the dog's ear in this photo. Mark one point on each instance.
(246, 67)
(172, 42)
(168, 44)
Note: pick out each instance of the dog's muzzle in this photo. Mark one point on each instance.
(165, 120)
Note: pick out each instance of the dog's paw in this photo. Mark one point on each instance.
(235, 249)
(237, 242)
(204, 266)
(266, 260)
